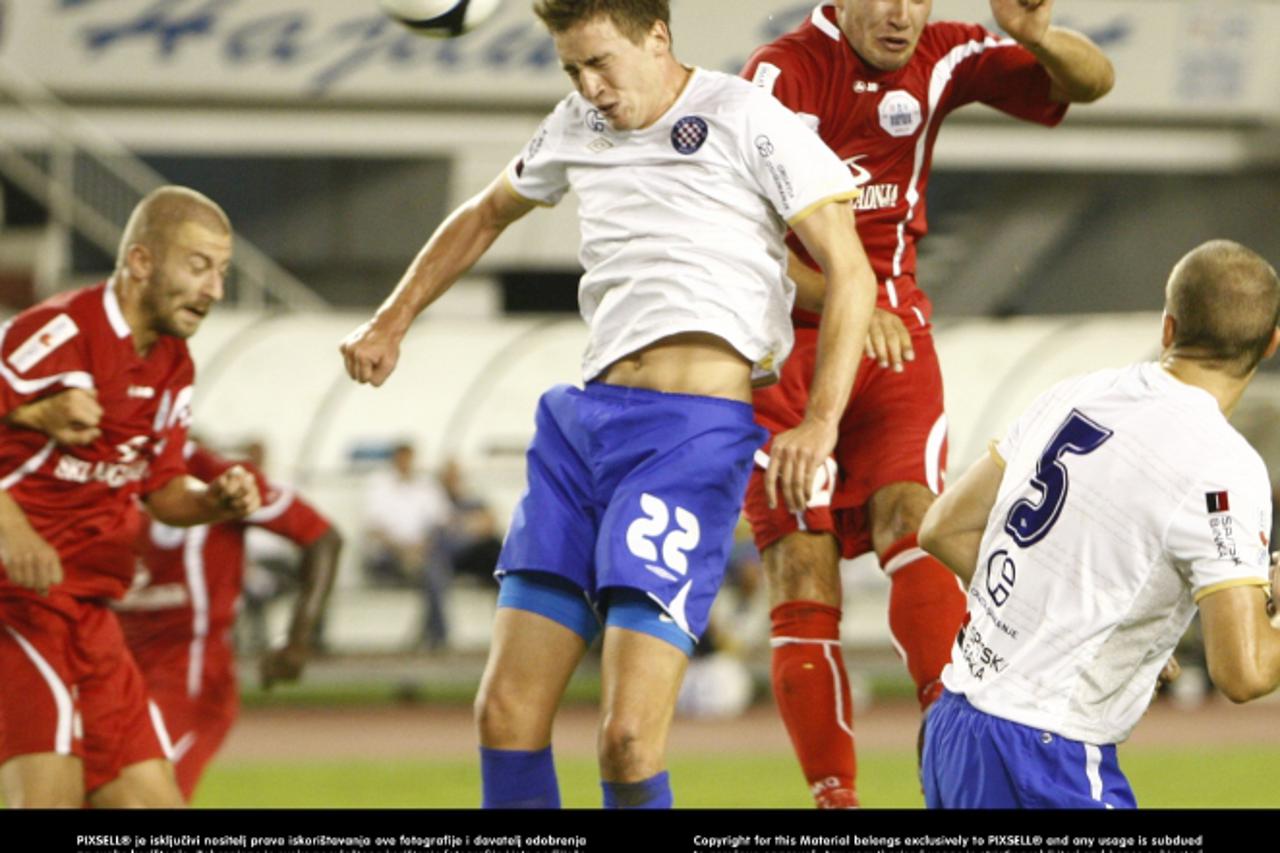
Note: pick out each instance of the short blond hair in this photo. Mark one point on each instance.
(1225, 302)
(160, 213)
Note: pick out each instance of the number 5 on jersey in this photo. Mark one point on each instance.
(1029, 521)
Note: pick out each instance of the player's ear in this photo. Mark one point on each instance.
(1168, 326)
(659, 38)
(1275, 342)
(139, 261)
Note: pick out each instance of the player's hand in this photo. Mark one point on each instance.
(236, 491)
(1026, 21)
(284, 664)
(29, 561)
(794, 459)
(888, 340)
(70, 417)
(370, 353)
(1169, 673)
(1275, 590)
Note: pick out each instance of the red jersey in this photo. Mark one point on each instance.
(883, 124)
(81, 499)
(191, 578)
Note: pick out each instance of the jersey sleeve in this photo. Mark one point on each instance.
(1004, 75)
(285, 513)
(783, 72)
(42, 351)
(538, 173)
(793, 167)
(1218, 534)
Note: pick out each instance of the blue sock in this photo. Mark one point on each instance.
(519, 779)
(651, 793)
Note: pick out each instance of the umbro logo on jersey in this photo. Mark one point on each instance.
(873, 196)
(47, 338)
(141, 392)
(860, 175)
(599, 144)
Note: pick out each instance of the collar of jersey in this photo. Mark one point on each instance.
(115, 316)
(1156, 373)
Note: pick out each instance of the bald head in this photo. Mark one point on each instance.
(161, 212)
(1225, 303)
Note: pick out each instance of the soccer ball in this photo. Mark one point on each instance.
(440, 18)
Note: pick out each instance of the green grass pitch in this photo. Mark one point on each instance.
(1235, 777)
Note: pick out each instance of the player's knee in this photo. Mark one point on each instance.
(36, 782)
(803, 567)
(628, 751)
(150, 784)
(503, 718)
(46, 796)
(897, 512)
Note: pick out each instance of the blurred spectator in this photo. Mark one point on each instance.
(471, 542)
(405, 511)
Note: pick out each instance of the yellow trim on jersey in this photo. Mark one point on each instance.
(1219, 587)
(804, 214)
(506, 182)
(993, 449)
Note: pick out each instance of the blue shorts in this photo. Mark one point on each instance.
(636, 489)
(973, 760)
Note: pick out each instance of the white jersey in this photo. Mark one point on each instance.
(1126, 498)
(683, 221)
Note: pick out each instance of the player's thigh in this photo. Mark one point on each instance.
(122, 726)
(553, 528)
(640, 680)
(895, 430)
(531, 658)
(38, 700)
(149, 784)
(803, 566)
(42, 781)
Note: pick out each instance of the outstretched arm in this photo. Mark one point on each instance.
(849, 299)
(319, 566)
(370, 352)
(1080, 71)
(952, 528)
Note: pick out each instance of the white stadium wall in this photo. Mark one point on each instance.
(467, 388)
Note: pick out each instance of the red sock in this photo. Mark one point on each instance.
(812, 692)
(926, 607)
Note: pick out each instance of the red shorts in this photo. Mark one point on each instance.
(894, 431)
(71, 687)
(199, 723)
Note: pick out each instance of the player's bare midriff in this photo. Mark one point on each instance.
(687, 363)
